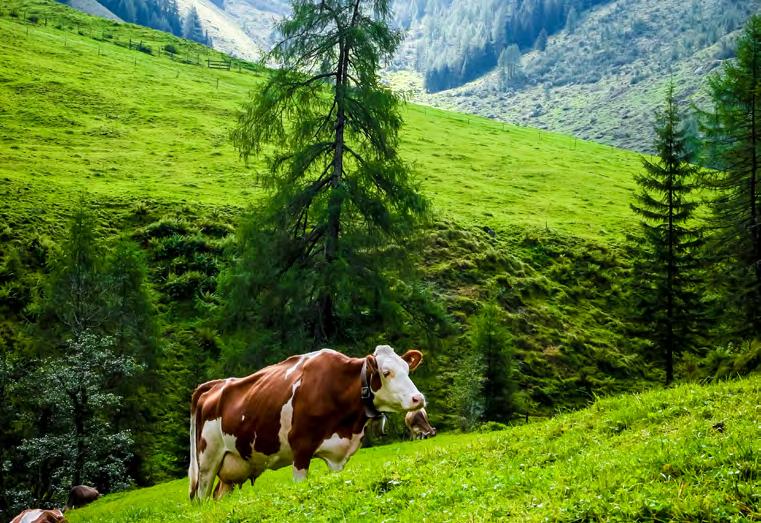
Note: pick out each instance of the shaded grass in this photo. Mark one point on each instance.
(691, 453)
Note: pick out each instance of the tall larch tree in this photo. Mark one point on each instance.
(667, 268)
(733, 132)
(340, 195)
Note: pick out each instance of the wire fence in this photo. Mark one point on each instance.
(103, 32)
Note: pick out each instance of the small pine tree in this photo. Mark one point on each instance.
(667, 266)
(74, 297)
(466, 392)
(541, 41)
(572, 20)
(491, 341)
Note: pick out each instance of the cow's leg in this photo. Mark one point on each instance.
(208, 466)
(223, 488)
(301, 460)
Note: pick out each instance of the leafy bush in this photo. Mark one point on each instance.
(143, 48)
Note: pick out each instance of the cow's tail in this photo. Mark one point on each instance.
(193, 469)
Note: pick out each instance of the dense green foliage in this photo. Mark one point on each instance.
(75, 441)
(690, 453)
(733, 129)
(668, 257)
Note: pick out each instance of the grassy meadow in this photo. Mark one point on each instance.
(691, 453)
(80, 113)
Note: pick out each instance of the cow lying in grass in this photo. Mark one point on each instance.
(313, 405)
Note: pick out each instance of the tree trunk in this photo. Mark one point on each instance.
(755, 222)
(326, 319)
(79, 406)
(670, 285)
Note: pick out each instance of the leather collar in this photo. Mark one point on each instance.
(367, 395)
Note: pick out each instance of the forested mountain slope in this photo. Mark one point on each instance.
(599, 76)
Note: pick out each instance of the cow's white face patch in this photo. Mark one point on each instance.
(397, 392)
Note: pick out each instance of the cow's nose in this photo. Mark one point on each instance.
(418, 400)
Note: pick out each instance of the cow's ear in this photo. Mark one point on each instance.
(372, 365)
(413, 358)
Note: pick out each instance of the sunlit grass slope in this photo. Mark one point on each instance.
(692, 453)
(79, 113)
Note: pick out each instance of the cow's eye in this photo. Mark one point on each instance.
(386, 373)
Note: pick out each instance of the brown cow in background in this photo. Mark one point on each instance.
(417, 423)
(81, 495)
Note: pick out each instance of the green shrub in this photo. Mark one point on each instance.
(492, 426)
(186, 285)
(143, 48)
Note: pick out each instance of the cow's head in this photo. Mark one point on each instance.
(396, 392)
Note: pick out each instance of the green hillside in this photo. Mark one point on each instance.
(78, 112)
(686, 454)
(135, 122)
(146, 138)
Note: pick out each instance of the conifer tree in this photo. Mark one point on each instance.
(733, 132)
(192, 28)
(540, 44)
(490, 340)
(340, 195)
(572, 20)
(666, 272)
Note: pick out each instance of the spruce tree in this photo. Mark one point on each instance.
(320, 247)
(491, 341)
(666, 272)
(540, 44)
(572, 20)
(192, 28)
(733, 132)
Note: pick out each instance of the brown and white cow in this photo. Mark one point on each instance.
(38, 515)
(417, 423)
(313, 405)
